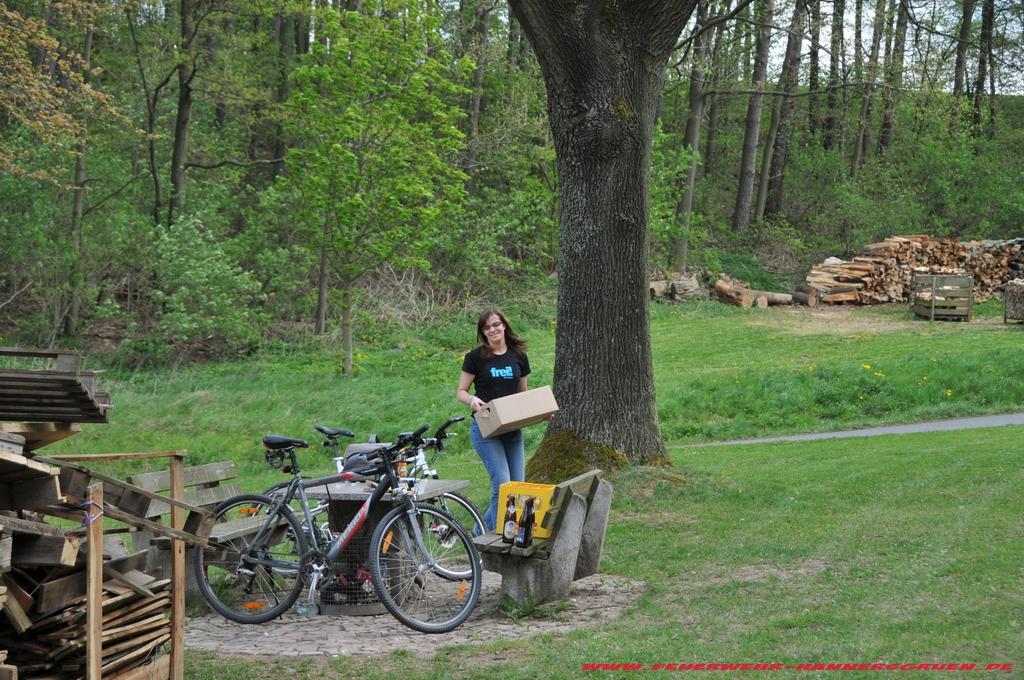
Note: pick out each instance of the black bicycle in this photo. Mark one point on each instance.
(414, 465)
(422, 562)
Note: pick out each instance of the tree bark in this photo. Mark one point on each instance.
(984, 52)
(76, 273)
(828, 139)
(712, 101)
(752, 126)
(323, 271)
(346, 330)
(962, 43)
(483, 22)
(776, 144)
(186, 72)
(858, 41)
(691, 140)
(604, 67)
(894, 77)
(867, 99)
(813, 68)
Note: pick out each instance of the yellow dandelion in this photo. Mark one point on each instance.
(867, 367)
(924, 377)
(949, 392)
(861, 397)
(879, 374)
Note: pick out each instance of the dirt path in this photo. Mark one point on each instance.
(594, 600)
(931, 426)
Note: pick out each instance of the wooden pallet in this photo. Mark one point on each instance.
(64, 394)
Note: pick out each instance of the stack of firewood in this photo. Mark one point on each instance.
(675, 286)
(1014, 300)
(135, 628)
(884, 271)
(44, 582)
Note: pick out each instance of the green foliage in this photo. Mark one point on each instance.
(370, 177)
(202, 302)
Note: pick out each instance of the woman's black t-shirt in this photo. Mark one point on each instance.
(498, 376)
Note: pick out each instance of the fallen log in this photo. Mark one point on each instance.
(741, 297)
(805, 299)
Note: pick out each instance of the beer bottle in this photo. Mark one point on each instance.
(524, 537)
(508, 533)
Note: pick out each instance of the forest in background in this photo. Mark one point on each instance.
(191, 178)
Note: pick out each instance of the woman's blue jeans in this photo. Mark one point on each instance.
(505, 460)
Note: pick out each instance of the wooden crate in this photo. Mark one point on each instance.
(943, 297)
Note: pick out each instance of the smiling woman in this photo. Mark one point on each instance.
(497, 368)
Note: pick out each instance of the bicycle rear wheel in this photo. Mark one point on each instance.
(247, 581)
(433, 588)
(462, 509)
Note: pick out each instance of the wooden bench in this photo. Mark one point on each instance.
(205, 487)
(544, 571)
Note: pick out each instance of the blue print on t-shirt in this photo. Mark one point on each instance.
(502, 372)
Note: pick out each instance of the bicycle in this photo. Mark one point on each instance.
(359, 459)
(423, 565)
(418, 467)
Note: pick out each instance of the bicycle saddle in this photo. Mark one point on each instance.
(332, 432)
(276, 441)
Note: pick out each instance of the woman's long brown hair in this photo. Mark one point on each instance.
(513, 341)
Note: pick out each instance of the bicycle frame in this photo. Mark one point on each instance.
(297, 488)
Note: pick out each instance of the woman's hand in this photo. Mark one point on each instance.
(476, 403)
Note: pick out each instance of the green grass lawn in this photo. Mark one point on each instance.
(898, 549)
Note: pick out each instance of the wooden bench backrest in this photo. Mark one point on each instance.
(203, 485)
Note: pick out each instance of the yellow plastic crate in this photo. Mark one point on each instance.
(544, 494)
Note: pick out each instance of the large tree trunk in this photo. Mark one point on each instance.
(776, 144)
(752, 127)
(604, 67)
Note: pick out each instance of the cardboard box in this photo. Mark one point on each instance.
(516, 411)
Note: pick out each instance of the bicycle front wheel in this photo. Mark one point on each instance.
(463, 510)
(244, 576)
(425, 568)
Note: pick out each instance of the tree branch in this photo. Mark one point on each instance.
(238, 164)
(16, 294)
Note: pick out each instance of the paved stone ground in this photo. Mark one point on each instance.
(593, 600)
